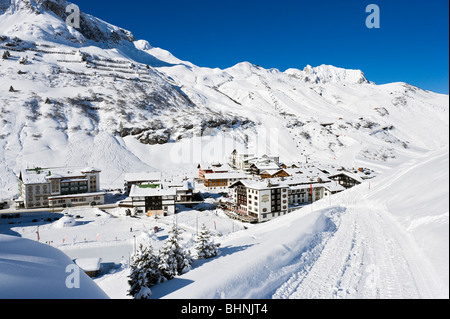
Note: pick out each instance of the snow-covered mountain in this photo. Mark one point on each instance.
(97, 96)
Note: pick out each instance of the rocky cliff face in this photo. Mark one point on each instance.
(91, 28)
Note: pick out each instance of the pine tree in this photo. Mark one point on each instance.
(204, 246)
(174, 260)
(144, 272)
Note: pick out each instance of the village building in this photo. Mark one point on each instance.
(141, 178)
(219, 182)
(150, 199)
(215, 168)
(275, 173)
(91, 266)
(258, 167)
(39, 188)
(184, 191)
(240, 160)
(346, 179)
(306, 194)
(259, 201)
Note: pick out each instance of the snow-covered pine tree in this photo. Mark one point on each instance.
(144, 272)
(204, 245)
(174, 260)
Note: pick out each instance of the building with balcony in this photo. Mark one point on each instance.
(59, 187)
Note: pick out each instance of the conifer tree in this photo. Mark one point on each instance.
(204, 245)
(174, 260)
(144, 272)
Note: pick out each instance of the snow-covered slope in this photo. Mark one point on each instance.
(30, 270)
(390, 242)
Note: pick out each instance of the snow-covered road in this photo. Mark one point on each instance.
(367, 257)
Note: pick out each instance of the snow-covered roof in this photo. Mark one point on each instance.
(143, 177)
(231, 175)
(182, 185)
(32, 177)
(89, 264)
(142, 191)
(351, 175)
(260, 184)
(90, 170)
(266, 165)
(334, 187)
(41, 176)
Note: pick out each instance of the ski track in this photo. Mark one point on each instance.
(365, 258)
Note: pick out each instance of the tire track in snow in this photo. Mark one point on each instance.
(364, 259)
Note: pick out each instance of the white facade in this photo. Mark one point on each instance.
(40, 188)
(150, 201)
(264, 201)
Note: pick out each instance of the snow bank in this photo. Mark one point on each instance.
(254, 263)
(64, 222)
(30, 270)
(417, 196)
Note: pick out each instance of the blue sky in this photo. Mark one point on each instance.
(411, 46)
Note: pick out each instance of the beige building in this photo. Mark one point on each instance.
(47, 187)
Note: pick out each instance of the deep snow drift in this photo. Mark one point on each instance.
(30, 270)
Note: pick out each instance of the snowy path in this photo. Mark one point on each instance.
(367, 257)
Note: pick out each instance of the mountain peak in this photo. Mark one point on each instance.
(328, 74)
(46, 20)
